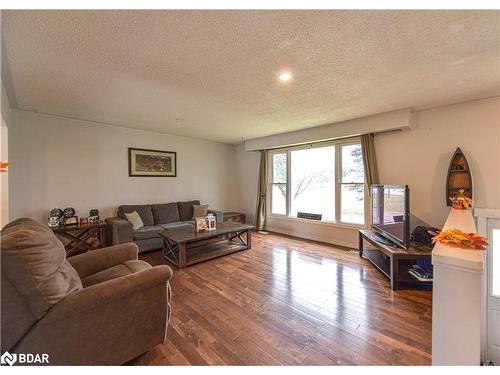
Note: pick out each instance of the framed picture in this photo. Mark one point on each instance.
(151, 163)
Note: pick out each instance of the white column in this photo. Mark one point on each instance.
(456, 299)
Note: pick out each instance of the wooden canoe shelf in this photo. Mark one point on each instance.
(459, 176)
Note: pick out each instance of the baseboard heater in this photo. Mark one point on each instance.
(309, 216)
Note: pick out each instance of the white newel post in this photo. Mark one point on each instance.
(457, 298)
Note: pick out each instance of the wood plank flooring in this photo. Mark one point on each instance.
(291, 302)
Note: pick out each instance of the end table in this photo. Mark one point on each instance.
(82, 238)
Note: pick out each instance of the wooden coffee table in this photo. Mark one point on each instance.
(184, 247)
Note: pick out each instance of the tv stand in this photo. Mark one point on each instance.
(391, 260)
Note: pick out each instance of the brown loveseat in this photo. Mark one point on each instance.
(103, 307)
(156, 218)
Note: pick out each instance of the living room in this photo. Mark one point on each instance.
(218, 176)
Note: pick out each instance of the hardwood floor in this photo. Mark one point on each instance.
(291, 302)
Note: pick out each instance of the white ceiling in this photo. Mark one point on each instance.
(213, 74)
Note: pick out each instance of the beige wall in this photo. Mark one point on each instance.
(59, 161)
(62, 161)
(380, 122)
(418, 157)
(247, 178)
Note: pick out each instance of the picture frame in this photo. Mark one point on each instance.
(151, 163)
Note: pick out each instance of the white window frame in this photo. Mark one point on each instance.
(338, 183)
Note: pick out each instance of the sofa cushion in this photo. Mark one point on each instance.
(34, 262)
(145, 233)
(165, 213)
(186, 209)
(126, 268)
(178, 225)
(144, 211)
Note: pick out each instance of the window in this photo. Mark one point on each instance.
(312, 182)
(279, 184)
(324, 179)
(352, 185)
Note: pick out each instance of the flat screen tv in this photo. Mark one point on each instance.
(391, 213)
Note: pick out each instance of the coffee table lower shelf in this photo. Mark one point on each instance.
(207, 252)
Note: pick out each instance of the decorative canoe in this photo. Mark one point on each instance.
(459, 176)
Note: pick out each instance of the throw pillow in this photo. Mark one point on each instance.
(200, 211)
(135, 219)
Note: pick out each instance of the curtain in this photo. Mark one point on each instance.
(260, 212)
(369, 159)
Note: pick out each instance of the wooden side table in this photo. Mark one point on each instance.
(79, 239)
(235, 217)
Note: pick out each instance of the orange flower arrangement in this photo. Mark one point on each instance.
(3, 166)
(458, 238)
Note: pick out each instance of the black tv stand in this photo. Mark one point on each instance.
(393, 261)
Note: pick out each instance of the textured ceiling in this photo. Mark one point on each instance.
(213, 74)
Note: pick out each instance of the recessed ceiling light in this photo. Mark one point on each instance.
(285, 76)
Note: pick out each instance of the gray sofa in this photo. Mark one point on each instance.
(156, 218)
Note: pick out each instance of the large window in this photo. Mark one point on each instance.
(312, 182)
(326, 180)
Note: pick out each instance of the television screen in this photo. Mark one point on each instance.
(390, 212)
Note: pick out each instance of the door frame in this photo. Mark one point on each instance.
(484, 217)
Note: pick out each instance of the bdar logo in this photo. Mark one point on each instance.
(8, 359)
(24, 358)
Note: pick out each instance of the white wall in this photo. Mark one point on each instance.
(418, 157)
(59, 161)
